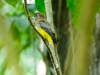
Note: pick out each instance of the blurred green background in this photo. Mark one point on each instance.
(19, 52)
(22, 52)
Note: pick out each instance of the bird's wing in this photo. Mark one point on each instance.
(44, 25)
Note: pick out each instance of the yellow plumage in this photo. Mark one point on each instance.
(46, 35)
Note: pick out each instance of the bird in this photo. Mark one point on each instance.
(45, 29)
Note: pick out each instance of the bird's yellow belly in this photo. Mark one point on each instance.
(45, 35)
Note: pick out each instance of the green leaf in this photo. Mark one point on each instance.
(98, 6)
(12, 2)
(15, 32)
(21, 22)
(75, 7)
(40, 5)
(78, 11)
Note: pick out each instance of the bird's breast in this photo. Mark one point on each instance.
(45, 35)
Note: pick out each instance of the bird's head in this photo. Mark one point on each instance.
(38, 16)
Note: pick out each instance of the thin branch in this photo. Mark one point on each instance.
(50, 48)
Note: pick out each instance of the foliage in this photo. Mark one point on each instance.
(23, 40)
(40, 5)
(74, 7)
(13, 3)
(21, 35)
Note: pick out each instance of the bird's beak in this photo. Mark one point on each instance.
(33, 17)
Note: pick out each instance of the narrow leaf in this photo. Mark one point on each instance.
(12, 2)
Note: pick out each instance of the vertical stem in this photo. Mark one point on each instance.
(49, 11)
(50, 20)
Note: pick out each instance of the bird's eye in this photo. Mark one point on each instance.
(36, 15)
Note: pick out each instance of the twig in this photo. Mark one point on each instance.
(50, 48)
